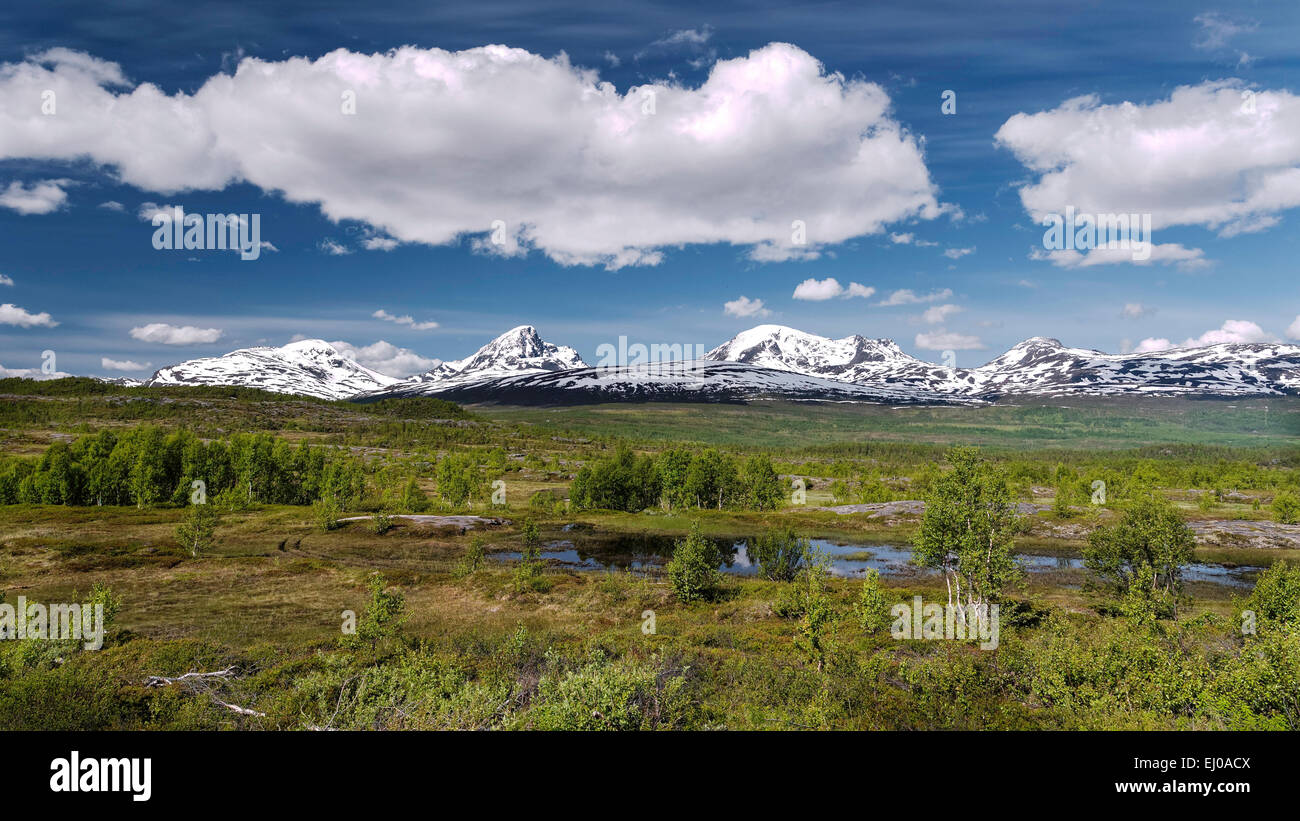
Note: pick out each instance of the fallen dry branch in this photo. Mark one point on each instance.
(162, 681)
(197, 683)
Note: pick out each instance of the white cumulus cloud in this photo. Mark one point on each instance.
(1164, 253)
(404, 320)
(333, 248)
(444, 143)
(1217, 29)
(1153, 344)
(30, 373)
(938, 314)
(820, 290)
(11, 314)
(1231, 331)
(379, 243)
(387, 358)
(161, 333)
(906, 296)
(744, 306)
(1218, 155)
(911, 239)
(941, 340)
(38, 198)
(123, 364)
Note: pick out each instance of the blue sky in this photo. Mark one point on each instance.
(1227, 213)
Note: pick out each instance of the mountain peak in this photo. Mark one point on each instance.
(790, 349)
(312, 367)
(521, 339)
(520, 331)
(774, 358)
(519, 350)
(309, 346)
(1026, 353)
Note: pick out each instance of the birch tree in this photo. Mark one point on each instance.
(967, 530)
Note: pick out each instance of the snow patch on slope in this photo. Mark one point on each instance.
(312, 367)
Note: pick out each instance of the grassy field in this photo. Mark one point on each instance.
(489, 646)
(1012, 425)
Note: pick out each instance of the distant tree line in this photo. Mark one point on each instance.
(1128, 474)
(147, 466)
(676, 479)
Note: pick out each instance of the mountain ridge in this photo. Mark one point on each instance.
(312, 367)
(764, 361)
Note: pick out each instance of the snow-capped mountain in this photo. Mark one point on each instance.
(123, 381)
(701, 381)
(1038, 366)
(769, 361)
(851, 359)
(311, 367)
(1043, 366)
(518, 350)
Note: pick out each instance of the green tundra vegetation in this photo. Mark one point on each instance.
(294, 586)
(680, 478)
(145, 466)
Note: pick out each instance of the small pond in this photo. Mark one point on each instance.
(647, 553)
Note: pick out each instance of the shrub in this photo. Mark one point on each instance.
(326, 511)
(760, 487)
(414, 499)
(1286, 508)
(381, 522)
(546, 501)
(1143, 554)
(1259, 689)
(604, 695)
(1061, 503)
(968, 528)
(528, 577)
(231, 500)
(619, 481)
(872, 609)
(528, 573)
(693, 569)
(1276, 597)
(413, 690)
(101, 594)
(811, 603)
(778, 554)
(198, 530)
(384, 615)
(459, 479)
(873, 490)
(840, 492)
(532, 537)
(473, 558)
